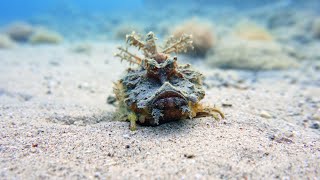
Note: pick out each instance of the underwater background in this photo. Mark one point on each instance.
(90, 19)
(219, 27)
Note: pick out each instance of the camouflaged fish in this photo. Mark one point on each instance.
(159, 90)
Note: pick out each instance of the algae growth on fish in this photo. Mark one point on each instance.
(159, 89)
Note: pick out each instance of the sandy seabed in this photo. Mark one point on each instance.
(55, 124)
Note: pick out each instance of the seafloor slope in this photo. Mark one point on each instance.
(55, 122)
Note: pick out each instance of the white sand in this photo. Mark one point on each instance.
(55, 123)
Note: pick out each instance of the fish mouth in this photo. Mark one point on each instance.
(169, 100)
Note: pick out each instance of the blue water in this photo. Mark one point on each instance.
(25, 9)
(84, 18)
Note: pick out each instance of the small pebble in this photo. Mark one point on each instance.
(33, 150)
(78, 123)
(49, 92)
(315, 126)
(34, 145)
(83, 86)
(284, 140)
(226, 104)
(265, 114)
(126, 136)
(282, 137)
(97, 175)
(127, 146)
(189, 156)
